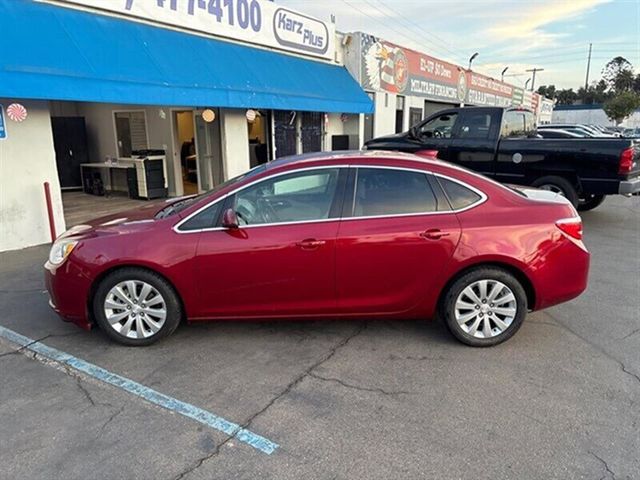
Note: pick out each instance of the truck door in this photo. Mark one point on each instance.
(436, 133)
(475, 140)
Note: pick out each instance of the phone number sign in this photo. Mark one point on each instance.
(257, 22)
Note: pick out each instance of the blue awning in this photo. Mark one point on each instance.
(55, 53)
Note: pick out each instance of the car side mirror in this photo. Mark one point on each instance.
(230, 219)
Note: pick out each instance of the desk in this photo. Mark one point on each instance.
(106, 172)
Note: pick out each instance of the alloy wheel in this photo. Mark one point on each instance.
(485, 309)
(135, 309)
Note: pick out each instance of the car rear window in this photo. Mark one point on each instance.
(459, 196)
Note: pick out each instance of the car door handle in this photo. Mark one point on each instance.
(310, 244)
(434, 234)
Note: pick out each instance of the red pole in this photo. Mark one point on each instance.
(52, 225)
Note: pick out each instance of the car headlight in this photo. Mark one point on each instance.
(61, 250)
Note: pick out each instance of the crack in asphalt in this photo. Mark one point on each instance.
(82, 388)
(622, 365)
(109, 420)
(606, 466)
(26, 347)
(631, 334)
(290, 386)
(357, 387)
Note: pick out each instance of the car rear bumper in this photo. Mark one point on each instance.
(630, 187)
(68, 291)
(561, 274)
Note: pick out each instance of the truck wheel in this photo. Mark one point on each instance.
(558, 185)
(591, 202)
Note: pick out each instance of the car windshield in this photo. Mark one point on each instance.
(180, 205)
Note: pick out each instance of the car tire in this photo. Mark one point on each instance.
(591, 202)
(483, 322)
(558, 185)
(136, 307)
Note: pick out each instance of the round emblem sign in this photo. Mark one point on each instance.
(17, 112)
(462, 86)
(401, 70)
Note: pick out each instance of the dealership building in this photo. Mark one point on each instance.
(152, 99)
(201, 94)
(407, 86)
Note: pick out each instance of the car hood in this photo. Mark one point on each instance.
(127, 220)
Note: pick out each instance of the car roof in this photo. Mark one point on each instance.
(350, 155)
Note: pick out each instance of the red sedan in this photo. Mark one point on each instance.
(364, 234)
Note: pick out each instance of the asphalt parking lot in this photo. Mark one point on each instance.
(342, 400)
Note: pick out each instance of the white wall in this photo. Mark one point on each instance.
(235, 142)
(384, 122)
(27, 160)
(595, 116)
(102, 140)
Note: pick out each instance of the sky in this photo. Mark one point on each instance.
(521, 34)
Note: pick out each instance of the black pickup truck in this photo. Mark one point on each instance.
(502, 143)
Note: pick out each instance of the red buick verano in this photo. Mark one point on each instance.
(357, 234)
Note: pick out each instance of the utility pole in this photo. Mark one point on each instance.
(586, 81)
(533, 78)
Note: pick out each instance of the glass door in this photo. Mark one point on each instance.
(208, 151)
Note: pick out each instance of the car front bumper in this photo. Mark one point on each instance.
(68, 290)
(630, 187)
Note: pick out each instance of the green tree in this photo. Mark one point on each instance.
(621, 106)
(597, 92)
(547, 91)
(618, 74)
(566, 96)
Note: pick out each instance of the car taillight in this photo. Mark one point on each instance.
(626, 161)
(571, 226)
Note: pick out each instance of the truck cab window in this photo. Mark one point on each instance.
(518, 124)
(475, 125)
(438, 127)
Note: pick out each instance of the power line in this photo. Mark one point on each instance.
(444, 45)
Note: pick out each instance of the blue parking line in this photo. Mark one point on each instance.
(188, 410)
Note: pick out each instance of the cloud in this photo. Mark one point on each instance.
(531, 20)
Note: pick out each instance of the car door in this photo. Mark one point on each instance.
(437, 133)
(396, 237)
(281, 259)
(475, 140)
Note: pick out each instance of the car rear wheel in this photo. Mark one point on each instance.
(484, 307)
(590, 202)
(136, 307)
(558, 185)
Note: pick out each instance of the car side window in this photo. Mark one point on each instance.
(459, 196)
(439, 127)
(207, 218)
(382, 191)
(475, 125)
(296, 197)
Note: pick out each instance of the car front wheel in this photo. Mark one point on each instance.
(136, 307)
(484, 307)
